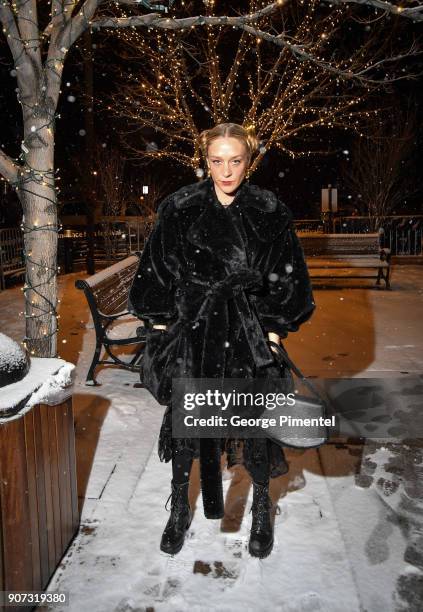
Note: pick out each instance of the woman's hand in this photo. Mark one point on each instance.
(274, 338)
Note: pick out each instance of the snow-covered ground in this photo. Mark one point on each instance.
(349, 534)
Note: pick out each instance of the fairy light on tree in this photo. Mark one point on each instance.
(39, 36)
(286, 86)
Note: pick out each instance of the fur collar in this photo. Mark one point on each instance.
(267, 215)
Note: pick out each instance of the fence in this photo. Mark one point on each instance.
(402, 234)
(11, 254)
(114, 240)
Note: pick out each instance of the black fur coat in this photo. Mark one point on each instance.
(220, 278)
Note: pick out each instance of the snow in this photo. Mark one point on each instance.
(48, 381)
(12, 356)
(344, 533)
(117, 267)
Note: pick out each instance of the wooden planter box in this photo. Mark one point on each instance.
(38, 496)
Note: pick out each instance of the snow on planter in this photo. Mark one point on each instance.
(14, 361)
(48, 381)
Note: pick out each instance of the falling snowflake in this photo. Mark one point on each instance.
(262, 150)
(227, 344)
(199, 172)
(281, 174)
(82, 132)
(288, 268)
(71, 98)
(346, 152)
(273, 277)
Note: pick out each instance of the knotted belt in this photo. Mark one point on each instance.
(215, 311)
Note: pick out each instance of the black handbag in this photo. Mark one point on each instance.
(300, 435)
(154, 367)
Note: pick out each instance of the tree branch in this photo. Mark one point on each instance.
(8, 168)
(300, 53)
(168, 23)
(29, 30)
(80, 22)
(11, 31)
(413, 12)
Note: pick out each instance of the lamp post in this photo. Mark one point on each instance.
(329, 207)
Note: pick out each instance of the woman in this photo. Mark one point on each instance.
(221, 273)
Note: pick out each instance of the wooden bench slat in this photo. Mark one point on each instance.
(346, 263)
(345, 252)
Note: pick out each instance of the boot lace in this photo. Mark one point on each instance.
(176, 507)
(262, 505)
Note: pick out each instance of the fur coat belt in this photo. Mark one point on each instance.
(214, 308)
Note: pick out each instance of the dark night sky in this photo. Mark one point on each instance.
(297, 181)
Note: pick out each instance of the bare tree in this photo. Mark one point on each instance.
(185, 81)
(379, 173)
(39, 36)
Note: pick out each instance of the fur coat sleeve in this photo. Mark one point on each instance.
(152, 296)
(287, 300)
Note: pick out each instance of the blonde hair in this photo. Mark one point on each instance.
(233, 130)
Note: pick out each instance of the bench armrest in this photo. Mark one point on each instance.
(113, 317)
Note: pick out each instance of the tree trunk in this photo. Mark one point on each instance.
(38, 197)
(90, 146)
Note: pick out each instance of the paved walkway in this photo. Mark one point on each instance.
(349, 534)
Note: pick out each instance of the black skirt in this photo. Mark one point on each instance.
(250, 452)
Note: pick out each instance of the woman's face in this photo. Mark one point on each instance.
(227, 159)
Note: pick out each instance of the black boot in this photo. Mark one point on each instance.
(179, 520)
(261, 535)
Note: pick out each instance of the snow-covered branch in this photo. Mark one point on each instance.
(168, 23)
(8, 168)
(411, 12)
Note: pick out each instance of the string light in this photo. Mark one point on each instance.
(303, 90)
(42, 56)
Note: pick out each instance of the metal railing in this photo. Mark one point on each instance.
(113, 241)
(403, 234)
(11, 254)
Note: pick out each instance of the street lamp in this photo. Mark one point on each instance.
(329, 207)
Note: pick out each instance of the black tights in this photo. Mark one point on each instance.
(182, 462)
(181, 465)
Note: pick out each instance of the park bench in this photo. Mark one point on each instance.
(12, 260)
(107, 296)
(346, 253)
